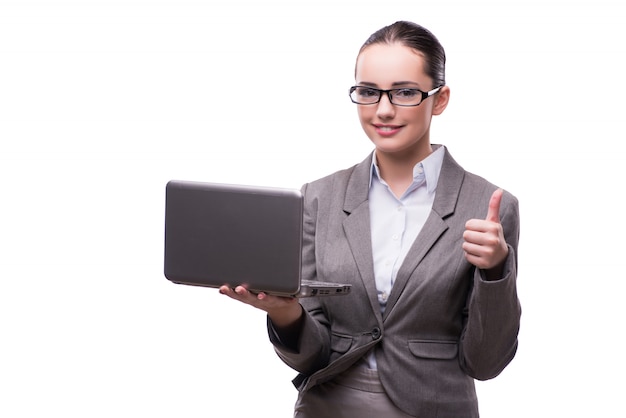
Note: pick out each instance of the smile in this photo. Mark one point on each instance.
(387, 130)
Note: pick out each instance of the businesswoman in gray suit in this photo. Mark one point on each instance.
(430, 250)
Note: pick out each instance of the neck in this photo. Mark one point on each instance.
(397, 168)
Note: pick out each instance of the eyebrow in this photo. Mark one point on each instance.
(394, 84)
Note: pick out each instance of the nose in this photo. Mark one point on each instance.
(385, 109)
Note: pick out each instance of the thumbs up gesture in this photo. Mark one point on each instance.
(484, 243)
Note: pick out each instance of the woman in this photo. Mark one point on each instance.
(430, 250)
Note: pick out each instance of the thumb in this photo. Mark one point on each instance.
(493, 214)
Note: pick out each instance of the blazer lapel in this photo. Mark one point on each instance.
(357, 228)
(448, 189)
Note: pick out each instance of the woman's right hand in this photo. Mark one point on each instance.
(283, 311)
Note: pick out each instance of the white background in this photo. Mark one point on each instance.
(103, 102)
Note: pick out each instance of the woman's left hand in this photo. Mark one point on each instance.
(484, 243)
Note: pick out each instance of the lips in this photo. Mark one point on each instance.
(387, 130)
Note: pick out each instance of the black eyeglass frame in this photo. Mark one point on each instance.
(425, 95)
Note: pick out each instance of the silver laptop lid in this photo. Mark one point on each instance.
(219, 234)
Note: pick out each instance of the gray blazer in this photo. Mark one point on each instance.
(444, 324)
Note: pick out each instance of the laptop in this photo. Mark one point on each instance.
(233, 234)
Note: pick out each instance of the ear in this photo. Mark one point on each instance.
(441, 100)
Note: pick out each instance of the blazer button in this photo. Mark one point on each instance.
(376, 333)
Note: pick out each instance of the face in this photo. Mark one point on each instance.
(396, 129)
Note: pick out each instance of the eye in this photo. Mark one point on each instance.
(406, 93)
(366, 92)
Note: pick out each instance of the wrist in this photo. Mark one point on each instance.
(286, 317)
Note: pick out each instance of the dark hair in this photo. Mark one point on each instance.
(418, 38)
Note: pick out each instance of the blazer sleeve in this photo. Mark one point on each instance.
(489, 340)
(307, 348)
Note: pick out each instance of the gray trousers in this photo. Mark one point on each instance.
(355, 393)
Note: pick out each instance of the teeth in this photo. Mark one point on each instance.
(386, 128)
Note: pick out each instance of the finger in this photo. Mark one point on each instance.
(481, 232)
(493, 214)
(245, 294)
(240, 293)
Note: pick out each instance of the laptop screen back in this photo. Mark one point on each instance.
(219, 234)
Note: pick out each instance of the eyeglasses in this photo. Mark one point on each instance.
(400, 97)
